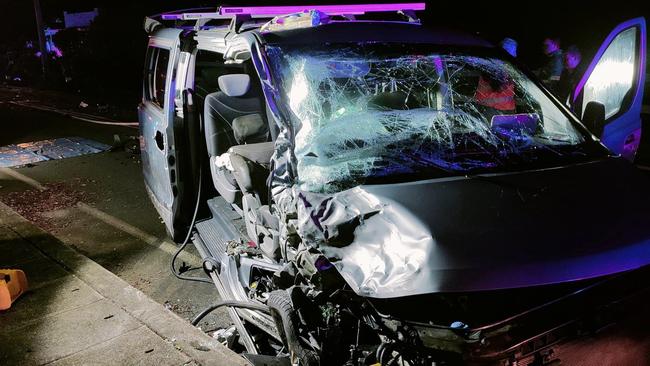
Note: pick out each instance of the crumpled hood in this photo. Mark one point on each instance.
(486, 232)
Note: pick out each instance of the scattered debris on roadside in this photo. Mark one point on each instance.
(130, 144)
(33, 204)
(102, 108)
(142, 283)
(169, 306)
(226, 336)
(121, 110)
(199, 347)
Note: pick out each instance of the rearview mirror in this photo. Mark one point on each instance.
(594, 118)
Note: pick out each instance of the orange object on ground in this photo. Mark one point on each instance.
(13, 283)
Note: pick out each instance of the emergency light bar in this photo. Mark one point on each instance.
(356, 9)
(195, 16)
(265, 12)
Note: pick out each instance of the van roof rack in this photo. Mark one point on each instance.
(357, 9)
(231, 12)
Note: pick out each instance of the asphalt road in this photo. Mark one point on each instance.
(98, 205)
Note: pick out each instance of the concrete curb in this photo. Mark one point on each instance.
(187, 339)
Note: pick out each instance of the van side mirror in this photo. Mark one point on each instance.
(234, 85)
(594, 118)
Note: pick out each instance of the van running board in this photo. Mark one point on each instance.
(219, 230)
(211, 240)
(214, 239)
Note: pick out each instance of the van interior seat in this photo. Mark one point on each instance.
(250, 165)
(249, 162)
(220, 109)
(236, 132)
(259, 153)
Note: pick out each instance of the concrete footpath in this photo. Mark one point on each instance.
(78, 313)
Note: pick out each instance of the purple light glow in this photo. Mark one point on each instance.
(328, 9)
(172, 16)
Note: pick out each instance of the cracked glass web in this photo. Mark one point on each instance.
(362, 112)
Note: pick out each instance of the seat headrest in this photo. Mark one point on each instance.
(248, 126)
(234, 85)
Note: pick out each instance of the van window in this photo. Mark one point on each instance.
(613, 76)
(157, 63)
(368, 113)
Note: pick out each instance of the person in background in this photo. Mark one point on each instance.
(510, 45)
(569, 78)
(497, 93)
(551, 72)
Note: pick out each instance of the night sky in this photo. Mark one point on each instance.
(522, 19)
(119, 27)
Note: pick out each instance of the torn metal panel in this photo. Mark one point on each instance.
(332, 219)
(378, 246)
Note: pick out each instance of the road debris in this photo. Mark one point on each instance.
(33, 204)
(130, 144)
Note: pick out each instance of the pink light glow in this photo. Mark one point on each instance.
(328, 9)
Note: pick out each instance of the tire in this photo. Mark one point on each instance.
(287, 323)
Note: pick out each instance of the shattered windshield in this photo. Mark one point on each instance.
(364, 114)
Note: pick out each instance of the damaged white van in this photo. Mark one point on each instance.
(375, 192)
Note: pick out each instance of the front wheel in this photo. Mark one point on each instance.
(286, 320)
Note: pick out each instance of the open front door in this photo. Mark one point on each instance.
(159, 119)
(615, 78)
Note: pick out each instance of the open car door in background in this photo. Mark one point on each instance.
(164, 165)
(615, 78)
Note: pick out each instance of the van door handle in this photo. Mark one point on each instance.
(160, 141)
